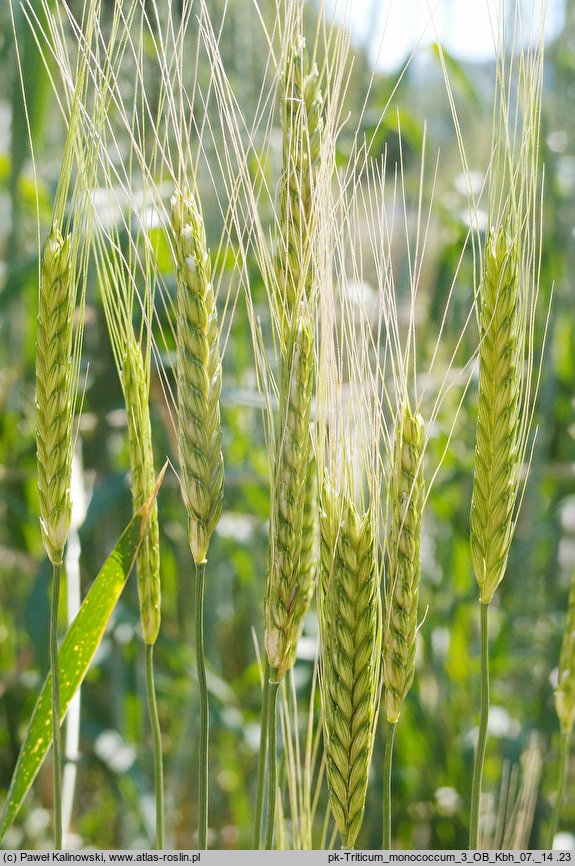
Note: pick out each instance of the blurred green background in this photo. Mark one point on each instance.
(434, 746)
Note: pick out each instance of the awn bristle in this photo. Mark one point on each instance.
(565, 691)
(143, 486)
(403, 562)
(283, 586)
(350, 655)
(54, 402)
(497, 455)
(199, 377)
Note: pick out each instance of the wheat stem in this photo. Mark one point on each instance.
(387, 768)
(56, 732)
(482, 738)
(565, 743)
(204, 711)
(262, 758)
(272, 759)
(157, 743)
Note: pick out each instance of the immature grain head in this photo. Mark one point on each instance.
(54, 399)
(350, 655)
(284, 590)
(403, 561)
(143, 485)
(565, 691)
(199, 377)
(507, 297)
(497, 455)
(302, 140)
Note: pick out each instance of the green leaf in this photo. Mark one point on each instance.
(76, 652)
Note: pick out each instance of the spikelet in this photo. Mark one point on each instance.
(565, 691)
(309, 555)
(54, 403)
(283, 586)
(350, 655)
(302, 137)
(199, 377)
(143, 485)
(403, 562)
(496, 475)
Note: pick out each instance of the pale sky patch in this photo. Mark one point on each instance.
(393, 28)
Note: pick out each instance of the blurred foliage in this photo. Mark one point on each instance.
(432, 775)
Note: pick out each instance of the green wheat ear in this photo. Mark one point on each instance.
(199, 377)
(497, 455)
(284, 592)
(350, 655)
(54, 401)
(302, 122)
(403, 562)
(143, 486)
(565, 691)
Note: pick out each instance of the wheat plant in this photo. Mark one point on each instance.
(117, 279)
(507, 378)
(199, 380)
(59, 343)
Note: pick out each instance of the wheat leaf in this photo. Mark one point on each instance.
(76, 652)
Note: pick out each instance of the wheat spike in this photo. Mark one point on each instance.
(302, 136)
(302, 133)
(350, 655)
(54, 403)
(565, 691)
(495, 480)
(283, 587)
(403, 562)
(199, 377)
(143, 485)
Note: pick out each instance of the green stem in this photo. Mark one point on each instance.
(482, 739)
(56, 732)
(387, 765)
(262, 758)
(204, 711)
(157, 743)
(563, 764)
(272, 761)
